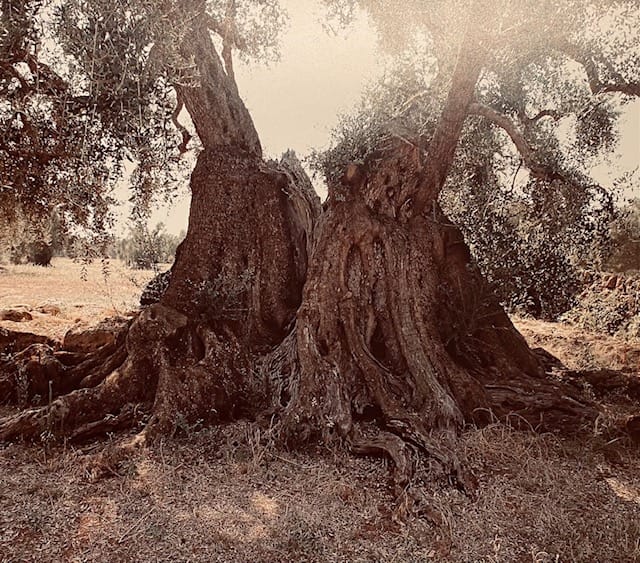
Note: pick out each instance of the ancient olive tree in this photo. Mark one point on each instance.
(363, 322)
(543, 231)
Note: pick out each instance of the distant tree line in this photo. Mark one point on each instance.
(140, 248)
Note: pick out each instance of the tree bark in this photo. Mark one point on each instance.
(398, 340)
(369, 323)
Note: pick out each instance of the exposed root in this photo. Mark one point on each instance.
(69, 411)
(39, 372)
(607, 382)
(12, 341)
(385, 444)
(188, 372)
(280, 373)
(128, 416)
(114, 378)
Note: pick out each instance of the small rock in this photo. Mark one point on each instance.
(12, 341)
(83, 338)
(52, 310)
(611, 282)
(15, 315)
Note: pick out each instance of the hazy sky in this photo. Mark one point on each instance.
(295, 103)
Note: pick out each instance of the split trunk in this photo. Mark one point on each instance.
(364, 322)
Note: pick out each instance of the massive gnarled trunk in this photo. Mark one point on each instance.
(367, 323)
(398, 341)
(235, 285)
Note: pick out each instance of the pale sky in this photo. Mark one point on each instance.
(296, 102)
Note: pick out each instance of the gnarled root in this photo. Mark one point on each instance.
(84, 391)
(39, 372)
(177, 371)
(398, 344)
(66, 412)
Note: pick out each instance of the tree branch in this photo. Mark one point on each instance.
(218, 113)
(526, 152)
(442, 146)
(186, 136)
(630, 89)
(228, 39)
(544, 113)
(591, 69)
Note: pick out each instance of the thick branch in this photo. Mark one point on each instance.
(591, 69)
(536, 169)
(218, 113)
(527, 153)
(629, 89)
(442, 146)
(228, 39)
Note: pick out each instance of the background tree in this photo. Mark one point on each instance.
(366, 323)
(53, 152)
(625, 253)
(146, 248)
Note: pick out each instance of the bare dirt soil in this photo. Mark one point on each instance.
(581, 349)
(69, 293)
(227, 494)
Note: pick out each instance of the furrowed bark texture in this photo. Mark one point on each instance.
(398, 342)
(367, 324)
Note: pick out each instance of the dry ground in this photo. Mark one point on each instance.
(82, 293)
(226, 494)
(581, 349)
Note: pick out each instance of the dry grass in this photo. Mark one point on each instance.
(225, 494)
(218, 495)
